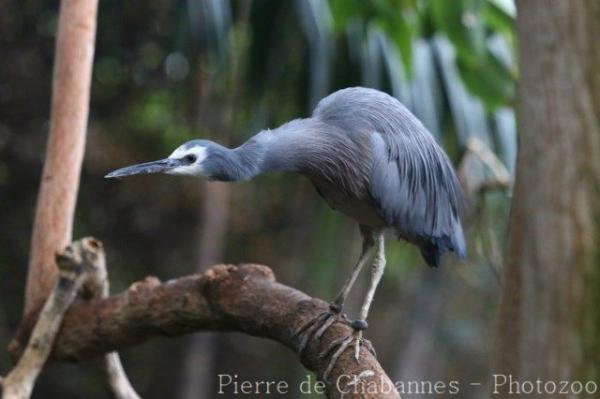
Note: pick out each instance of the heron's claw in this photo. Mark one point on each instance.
(315, 328)
(340, 345)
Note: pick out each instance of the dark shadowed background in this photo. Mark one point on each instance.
(169, 71)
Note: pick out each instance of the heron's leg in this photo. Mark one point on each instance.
(360, 325)
(338, 303)
(317, 326)
(377, 269)
(335, 350)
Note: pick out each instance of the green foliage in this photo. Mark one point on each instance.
(488, 78)
(498, 19)
(397, 18)
(468, 24)
(458, 20)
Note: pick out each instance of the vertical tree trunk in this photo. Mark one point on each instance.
(69, 113)
(549, 324)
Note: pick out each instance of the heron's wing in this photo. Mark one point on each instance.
(412, 182)
(415, 189)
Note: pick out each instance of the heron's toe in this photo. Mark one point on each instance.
(340, 345)
(316, 327)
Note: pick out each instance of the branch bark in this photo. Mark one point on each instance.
(66, 141)
(75, 263)
(244, 298)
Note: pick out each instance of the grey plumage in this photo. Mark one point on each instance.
(366, 154)
(369, 157)
(411, 182)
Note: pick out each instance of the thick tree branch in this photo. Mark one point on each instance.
(243, 298)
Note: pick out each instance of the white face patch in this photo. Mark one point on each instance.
(193, 169)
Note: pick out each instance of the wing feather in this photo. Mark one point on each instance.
(412, 182)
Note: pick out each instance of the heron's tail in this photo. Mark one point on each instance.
(433, 248)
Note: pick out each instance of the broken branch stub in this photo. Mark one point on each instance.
(73, 262)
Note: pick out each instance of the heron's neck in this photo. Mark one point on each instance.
(232, 164)
(277, 150)
(238, 164)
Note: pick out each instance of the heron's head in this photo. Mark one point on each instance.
(188, 159)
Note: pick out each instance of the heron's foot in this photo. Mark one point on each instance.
(340, 345)
(315, 328)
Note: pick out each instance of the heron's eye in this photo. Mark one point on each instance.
(190, 158)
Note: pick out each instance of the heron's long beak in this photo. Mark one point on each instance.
(160, 166)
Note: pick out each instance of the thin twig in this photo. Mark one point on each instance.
(96, 286)
(500, 172)
(116, 377)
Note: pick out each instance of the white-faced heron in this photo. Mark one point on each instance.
(370, 158)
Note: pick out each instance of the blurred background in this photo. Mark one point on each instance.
(169, 71)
